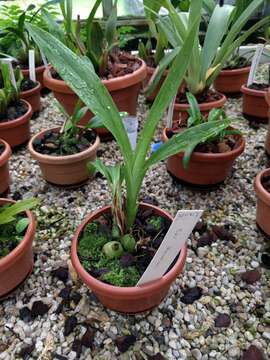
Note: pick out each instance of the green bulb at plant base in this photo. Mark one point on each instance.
(128, 243)
(113, 250)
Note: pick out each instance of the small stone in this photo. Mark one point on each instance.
(222, 321)
(70, 324)
(253, 353)
(266, 335)
(250, 277)
(39, 309)
(123, 343)
(234, 352)
(254, 264)
(196, 354)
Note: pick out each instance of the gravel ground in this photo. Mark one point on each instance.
(229, 316)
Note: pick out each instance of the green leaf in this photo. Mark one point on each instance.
(8, 214)
(95, 123)
(110, 27)
(53, 27)
(21, 225)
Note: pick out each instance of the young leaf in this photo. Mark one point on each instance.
(22, 225)
(8, 213)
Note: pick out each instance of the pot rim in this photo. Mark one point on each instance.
(267, 96)
(253, 92)
(260, 190)
(238, 71)
(4, 157)
(49, 159)
(204, 106)
(19, 249)
(32, 91)
(204, 157)
(120, 82)
(38, 69)
(116, 291)
(20, 120)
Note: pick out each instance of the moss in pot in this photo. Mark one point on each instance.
(63, 153)
(15, 113)
(125, 179)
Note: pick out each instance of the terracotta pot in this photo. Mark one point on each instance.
(17, 132)
(180, 110)
(254, 104)
(124, 91)
(127, 299)
(231, 81)
(64, 170)
(4, 169)
(267, 142)
(39, 74)
(33, 97)
(17, 265)
(204, 169)
(263, 203)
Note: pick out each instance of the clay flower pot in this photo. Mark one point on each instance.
(18, 264)
(39, 74)
(17, 132)
(67, 170)
(267, 142)
(263, 203)
(124, 91)
(254, 104)
(204, 169)
(127, 299)
(33, 97)
(231, 81)
(4, 169)
(181, 110)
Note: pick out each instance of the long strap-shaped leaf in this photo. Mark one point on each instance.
(79, 74)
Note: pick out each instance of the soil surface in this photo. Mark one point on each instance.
(54, 145)
(150, 61)
(266, 182)
(239, 64)
(2, 148)
(259, 86)
(14, 111)
(149, 231)
(119, 64)
(205, 97)
(28, 85)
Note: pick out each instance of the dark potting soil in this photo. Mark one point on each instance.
(28, 85)
(266, 182)
(26, 66)
(2, 148)
(148, 231)
(14, 111)
(218, 146)
(258, 86)
(150, 61)
(53, 143)
(205, 97)
(9, 236)
(239, 64)
(119, 64)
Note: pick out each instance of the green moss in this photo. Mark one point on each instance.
(122, 277)
(9, 237)
(156, 222)
(91, 242)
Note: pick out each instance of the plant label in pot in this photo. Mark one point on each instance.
(176, 237)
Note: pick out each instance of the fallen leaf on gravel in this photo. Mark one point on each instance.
(253, 353)
(39, 309)
(266, 260)
(223, 233)
(72, 272)
(26, 351)
(222, 321)
(70, 324)
(88, 338)
(191, 295)
(158, 356)
(123, 343)
(61, 273)
(206, 239)
(250, 277)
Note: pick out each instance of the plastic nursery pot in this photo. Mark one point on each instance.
(255, 106)
(127, 299)
(17, 132)
(123, 89)
(231, 81)
(39, 74)
(33, 97)
(267, 142)
(18, 264)
(181, 110)
(69, 170)
(204, 169)
(263, 203)
(4, 168)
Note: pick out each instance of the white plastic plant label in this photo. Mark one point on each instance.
(131, 126)
(255, 63)
(45, 62)
(11, 71)
(170, 114)
(32, 66)
(177, 235)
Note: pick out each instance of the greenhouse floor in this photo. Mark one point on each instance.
(174, 330)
